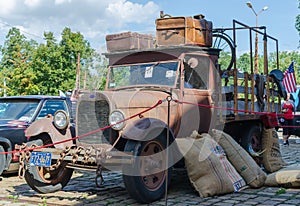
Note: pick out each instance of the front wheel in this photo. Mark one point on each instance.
(145, 180)
(44, 180)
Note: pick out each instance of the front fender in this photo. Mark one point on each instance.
(145, 129)
(45, 125)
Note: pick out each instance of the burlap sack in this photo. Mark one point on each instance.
(207, 166)
(288, 177)
(271, 156)
(240, 159)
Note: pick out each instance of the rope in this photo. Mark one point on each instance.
(146, 110)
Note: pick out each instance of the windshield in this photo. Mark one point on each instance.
(22, 110)
(159, 73)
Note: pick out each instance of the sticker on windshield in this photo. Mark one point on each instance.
(149, 72)
(170, 73)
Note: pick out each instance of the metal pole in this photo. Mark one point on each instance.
(249, 4)
(77, 87)
(235, 91)
(169, 99)
(256, 49)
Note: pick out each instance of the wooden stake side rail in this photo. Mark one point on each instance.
(244, 96)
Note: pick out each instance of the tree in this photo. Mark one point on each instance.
(46, 60)
(46, 68)
(16, 64)
(243, 63)
(285, 59)
(71, 45)
(96, 71)
(55, 63)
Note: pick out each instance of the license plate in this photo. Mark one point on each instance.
(42, 159)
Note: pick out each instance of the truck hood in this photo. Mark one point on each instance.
(134, 102)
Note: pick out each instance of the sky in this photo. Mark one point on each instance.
(97, 18)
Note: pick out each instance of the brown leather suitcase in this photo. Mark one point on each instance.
(184, 31)
(128, 41)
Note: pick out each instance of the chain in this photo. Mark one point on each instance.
(21, 172)
(87, 155)
(24, 158)
(100, 157)
(99, 175)
(64, 153)
(75, 154)
(60, 159)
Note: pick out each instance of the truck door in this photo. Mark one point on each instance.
(196, 111)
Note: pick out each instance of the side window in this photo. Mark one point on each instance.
(196, 72)
(51, 106)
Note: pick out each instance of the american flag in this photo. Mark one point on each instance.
(289, 80)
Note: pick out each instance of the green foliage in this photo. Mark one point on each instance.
(224, 58)
(280, 191)
(243, 63)
(16, 64)
(31, 68)
(14, 197)
(284, 60)
(95, 70)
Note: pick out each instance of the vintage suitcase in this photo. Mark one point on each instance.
(128, 41)
(184, 31)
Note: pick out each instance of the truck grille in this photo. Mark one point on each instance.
(92, 114)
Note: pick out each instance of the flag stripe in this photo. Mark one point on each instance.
(289, 80)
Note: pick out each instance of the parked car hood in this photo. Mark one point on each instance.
(4, 123)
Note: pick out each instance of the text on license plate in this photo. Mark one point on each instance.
(42, 159)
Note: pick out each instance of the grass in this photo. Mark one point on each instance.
(280, 191)
(14, 198)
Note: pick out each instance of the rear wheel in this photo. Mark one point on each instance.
(44, 180)
(2, 159)
(251, 141)
(145, 180)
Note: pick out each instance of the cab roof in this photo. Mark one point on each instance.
(163, 53)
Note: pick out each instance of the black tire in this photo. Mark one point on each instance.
(2, 159)
(44, 180)
(36, 178)
(223, 41)
(149, 187)
(251, 140)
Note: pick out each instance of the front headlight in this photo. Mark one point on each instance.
(115, 117)
(61, 119)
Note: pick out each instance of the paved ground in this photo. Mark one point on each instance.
(81, 190)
